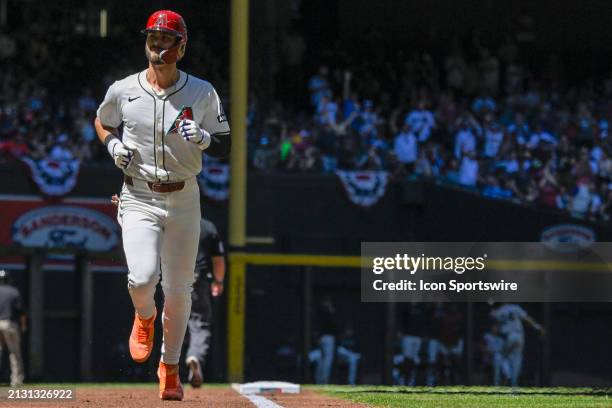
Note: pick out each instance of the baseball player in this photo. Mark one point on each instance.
(493, 344)
(12, 323)
(346, 354)
(209, 276)
(168, 119)
(407, 362)
(510, 318)
(323, 356)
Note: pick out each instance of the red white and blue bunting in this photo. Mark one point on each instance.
(214, 181)
(364, 188)
(53, 177)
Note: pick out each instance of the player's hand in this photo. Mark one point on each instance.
(542, 332)
(191, 132)
(121, 154)
(216, 288)
(115, 200)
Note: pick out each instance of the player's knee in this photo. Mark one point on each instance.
(180, 290)
(136, 282)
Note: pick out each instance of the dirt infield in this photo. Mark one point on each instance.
(146, 397)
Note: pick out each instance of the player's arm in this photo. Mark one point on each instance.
(220, 146)
(19, 311)
(346, 85)
(104, 131)
(217, 253)
(23, 322)
(219, 275)
(216, 145)
(212, 135)
(122, 156)
(107, 121)
(537, 326)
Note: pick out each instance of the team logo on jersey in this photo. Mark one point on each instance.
(185, 113)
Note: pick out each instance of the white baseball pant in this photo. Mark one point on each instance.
(10, 335)
(515, 342)
(161, 229)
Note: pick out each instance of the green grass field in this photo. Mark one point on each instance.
(471, 397)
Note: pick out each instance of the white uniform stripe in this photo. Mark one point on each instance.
(261, 402)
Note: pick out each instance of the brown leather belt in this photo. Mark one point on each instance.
(158, 187)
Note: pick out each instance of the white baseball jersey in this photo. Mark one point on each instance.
(510, 318)
(149, 117)
(493, 343)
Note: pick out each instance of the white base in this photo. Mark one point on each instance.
(258, 387)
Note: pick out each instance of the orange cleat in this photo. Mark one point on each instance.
(170, 387)
(141, 338)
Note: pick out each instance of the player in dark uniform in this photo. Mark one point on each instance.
(209, 275)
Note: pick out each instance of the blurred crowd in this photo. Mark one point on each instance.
(52, 84)
(475, 119)
(42, 113)
(472, 117)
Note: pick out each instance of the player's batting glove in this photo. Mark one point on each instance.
(120, 153)
(191, 132)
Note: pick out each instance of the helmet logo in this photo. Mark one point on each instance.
(162, 20)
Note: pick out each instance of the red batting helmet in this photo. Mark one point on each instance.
(170, 22)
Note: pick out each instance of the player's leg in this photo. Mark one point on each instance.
(314, 357)
(412, 350)
(518, 361)
(411, 346)
(140, 221)
(433, 351)
(398, 370)
(515, 356)
(321, 363)
(456, 358)
(200, 321)
(141, 231)
(13, 343)
(178, 256)
(328, 349)
(354, 358)
(199, 343)
(351, 359)
(2, 338)
(496, 367)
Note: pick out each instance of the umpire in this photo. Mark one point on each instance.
(209, 276)
(12, 323)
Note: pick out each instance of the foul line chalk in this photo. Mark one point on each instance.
(261, 402)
